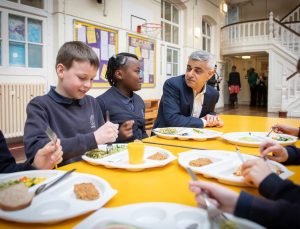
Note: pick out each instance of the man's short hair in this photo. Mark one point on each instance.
(76, 51)
(204, 56)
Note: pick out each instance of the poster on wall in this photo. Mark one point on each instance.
(144, 48)
(103, 41)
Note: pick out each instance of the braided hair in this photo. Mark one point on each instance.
(115, 63)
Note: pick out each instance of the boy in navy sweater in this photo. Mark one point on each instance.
(125, 107)
(74, 116)
(282, 206)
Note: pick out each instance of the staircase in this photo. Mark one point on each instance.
(281, 40)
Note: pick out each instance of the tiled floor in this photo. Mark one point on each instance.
(17, 149)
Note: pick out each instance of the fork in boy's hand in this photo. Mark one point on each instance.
(53, 137)
(109, 146)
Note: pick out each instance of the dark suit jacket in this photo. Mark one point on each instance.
(177, 101)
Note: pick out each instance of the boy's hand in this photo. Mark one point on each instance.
(286, 129)
(279, 153)
(107, 133)
(255, 171)
(221, 197)
(49, 156)
(125, 130)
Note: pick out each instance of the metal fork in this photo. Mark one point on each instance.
(215, 215)
(269, 132)
(53, 137)
(237, 150)
(109, 146)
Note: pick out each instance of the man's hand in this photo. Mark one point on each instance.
(107, 133)
(213, 120)
(125, 130)
(49, 156)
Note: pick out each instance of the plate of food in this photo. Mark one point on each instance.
(225, 166)
(153, 157)
(254, 139)
(77, 194)
(184, 133)
(157, 215)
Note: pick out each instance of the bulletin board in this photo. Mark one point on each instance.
(103, 41)
(145, 50)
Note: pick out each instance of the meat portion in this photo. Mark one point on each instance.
(86, 191)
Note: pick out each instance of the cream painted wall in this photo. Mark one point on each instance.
(118, 16)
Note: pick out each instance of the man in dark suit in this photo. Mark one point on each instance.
(187, 100)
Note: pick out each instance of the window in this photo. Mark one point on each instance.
(169, 22)
(172, 61)
(25, 41)
(33, 3)
(206, 36)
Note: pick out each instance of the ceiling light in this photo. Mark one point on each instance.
(246, 57)
(224, 7)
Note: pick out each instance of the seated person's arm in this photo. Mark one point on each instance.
(35, 137)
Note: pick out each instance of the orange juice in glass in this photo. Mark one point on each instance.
(136, 152)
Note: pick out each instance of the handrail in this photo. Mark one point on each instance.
(289, 13)
(291, 76)
(286, 27)
(241, 22)
(290, 22)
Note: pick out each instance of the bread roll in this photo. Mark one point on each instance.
(15, 197)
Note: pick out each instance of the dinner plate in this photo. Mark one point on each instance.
(156, 215)
(59, 202)
(254, 139)
(120, 160)
(184, 133)
(224, 165)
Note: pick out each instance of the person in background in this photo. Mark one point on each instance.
(252, 80)
(75, 117)
(234, 85)
(281, 205)
(187, 100)
(125, 107)
(215, 80)
(261, 91)
(45, 158)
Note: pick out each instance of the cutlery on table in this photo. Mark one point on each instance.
(269, 132)
(53, 137)
(46, 186)
(109, 146)
(214, 214)
(238, 152)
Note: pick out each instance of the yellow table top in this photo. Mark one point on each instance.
(163, 184)
(233, 123)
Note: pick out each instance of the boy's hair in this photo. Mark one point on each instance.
(204, 56)
(115, 63)
(76, 51)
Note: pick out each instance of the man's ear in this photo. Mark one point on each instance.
(210, 73)
(118, 74)
(60, 68)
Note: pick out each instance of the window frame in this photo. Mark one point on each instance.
(172, 61)
(206, 39)
(5, 67)
(172, 24)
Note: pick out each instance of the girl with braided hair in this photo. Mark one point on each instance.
(124, 106)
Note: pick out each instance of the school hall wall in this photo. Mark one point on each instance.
(117, 15)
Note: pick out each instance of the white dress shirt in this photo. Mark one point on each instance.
(197, 106)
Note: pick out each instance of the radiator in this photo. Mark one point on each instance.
(14, 98)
